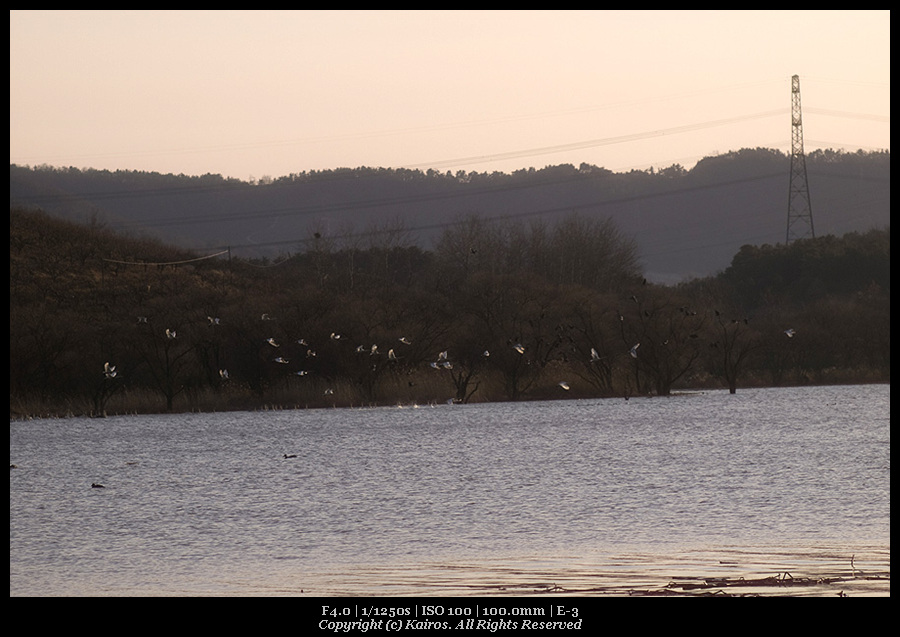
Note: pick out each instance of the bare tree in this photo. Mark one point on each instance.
(662, 339)
(734, 342)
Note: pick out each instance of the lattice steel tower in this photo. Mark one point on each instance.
(799, 220)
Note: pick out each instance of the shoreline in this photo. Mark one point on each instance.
(61, 414)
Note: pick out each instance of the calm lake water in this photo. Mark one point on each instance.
(585, 496)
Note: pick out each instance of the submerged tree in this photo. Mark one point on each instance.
(735, 341)
(662, 337)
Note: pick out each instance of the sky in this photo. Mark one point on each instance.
(264, 94)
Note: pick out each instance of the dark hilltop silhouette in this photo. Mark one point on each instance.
(686, 223)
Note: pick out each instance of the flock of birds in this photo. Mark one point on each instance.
(442, 361)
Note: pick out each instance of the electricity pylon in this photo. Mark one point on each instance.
(799, 220)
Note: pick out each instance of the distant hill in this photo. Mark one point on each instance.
(687, 223)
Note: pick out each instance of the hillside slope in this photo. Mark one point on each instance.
(687, 223)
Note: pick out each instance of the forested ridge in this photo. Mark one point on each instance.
(523, 309)
(686, 223)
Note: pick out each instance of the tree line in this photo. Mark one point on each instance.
(104, 323)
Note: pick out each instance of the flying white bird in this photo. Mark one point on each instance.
(391, 355)
(281, 360)
(405, 340)
(564, 385)
(519, 348)
(271, 341)
(213, 320)
(109, 370)
(790, 333)
(224, 374)
(634, 349)
(170, 333)
(594, 355)
(335, 337)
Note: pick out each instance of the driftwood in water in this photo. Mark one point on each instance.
(781, 579)
(706, 586)
(703, 587)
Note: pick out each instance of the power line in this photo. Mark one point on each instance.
(530, 213)
(230, 184)
(199, 189)
(181, 220)
(868, 116)
(164, 263)
(593, 143)
(425, 128)
(292, 211)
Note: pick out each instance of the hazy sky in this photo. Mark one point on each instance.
(269, 93)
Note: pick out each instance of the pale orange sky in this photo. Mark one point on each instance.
(270, 93)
